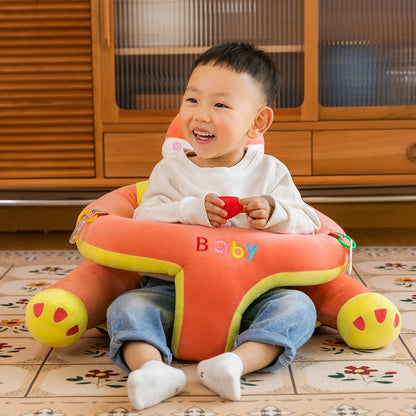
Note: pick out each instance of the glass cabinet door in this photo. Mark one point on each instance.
(156, 41)
(367, 53)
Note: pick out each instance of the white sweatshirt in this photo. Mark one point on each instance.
(177, 190)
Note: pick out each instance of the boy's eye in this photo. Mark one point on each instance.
(191, 100)
(220, 105)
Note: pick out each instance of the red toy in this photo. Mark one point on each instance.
(232, 206)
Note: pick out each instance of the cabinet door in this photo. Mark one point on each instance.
(367, 59)
(46, 98)
(148, 49)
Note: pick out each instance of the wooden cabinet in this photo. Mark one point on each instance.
(346, 113)
(339, 132)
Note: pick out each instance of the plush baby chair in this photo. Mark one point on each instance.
(217, 272)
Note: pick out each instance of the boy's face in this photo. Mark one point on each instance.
(218, 110)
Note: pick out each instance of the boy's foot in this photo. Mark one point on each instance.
(153, 383)
(222, 374)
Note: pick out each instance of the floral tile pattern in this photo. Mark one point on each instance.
(355, 376)
(25, 287)
(12, 326)
(86, 350)
(80, 380)
(332, 348)
(326, 378)
(22, 351)
(13, 304)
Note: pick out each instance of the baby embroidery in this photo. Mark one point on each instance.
(221, 246)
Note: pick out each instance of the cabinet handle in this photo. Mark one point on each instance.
(106, 21)
(411, 152)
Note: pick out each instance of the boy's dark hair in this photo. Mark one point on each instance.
(245, 58)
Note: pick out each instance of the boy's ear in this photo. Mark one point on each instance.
(261, 123)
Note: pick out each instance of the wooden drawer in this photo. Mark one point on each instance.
(293, 148)
(135, 154)
(131, 154)
(364, 152)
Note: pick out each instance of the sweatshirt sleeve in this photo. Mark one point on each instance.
(291, 215)
(164, 199)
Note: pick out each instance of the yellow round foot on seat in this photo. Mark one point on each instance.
(56, 317)
(369, 321)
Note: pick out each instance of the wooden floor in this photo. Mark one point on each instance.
(59, 240)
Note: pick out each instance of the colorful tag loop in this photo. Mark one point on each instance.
(341, 237)
(95, 214)
(83, 219)
(351, 245)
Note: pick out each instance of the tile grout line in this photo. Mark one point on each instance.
(41, 367)
(407, 348)
(6, 271)
(359, 277)
(292, 378)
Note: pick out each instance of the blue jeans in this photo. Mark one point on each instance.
(281, 317)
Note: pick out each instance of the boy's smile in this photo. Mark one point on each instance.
(218, 111)
(203, 136)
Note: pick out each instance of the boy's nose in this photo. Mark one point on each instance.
(202, 116)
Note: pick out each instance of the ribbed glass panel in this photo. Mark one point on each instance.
(156, 42)
(367, 52)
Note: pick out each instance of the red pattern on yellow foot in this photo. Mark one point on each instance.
(56, 317)
(369, 321)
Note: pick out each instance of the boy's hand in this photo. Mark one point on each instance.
(258, 210)
(213, 206)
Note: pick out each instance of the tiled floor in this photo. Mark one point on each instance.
(327, 377)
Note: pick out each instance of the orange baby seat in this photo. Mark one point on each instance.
(217, 272)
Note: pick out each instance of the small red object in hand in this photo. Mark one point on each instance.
(232, 206)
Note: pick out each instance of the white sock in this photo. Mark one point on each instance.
(222, 374)
(154, 382)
